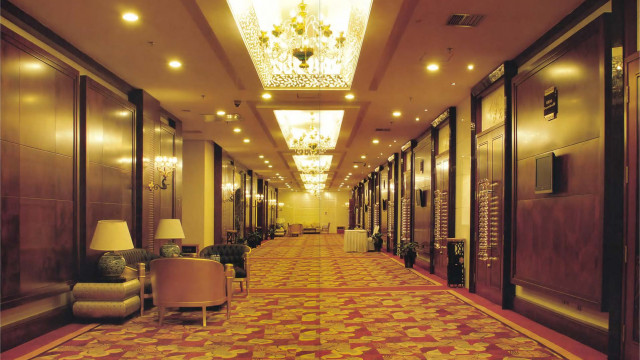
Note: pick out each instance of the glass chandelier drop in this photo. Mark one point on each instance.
(304, 37)
(311, 142)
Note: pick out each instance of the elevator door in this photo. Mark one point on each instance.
(489, 214)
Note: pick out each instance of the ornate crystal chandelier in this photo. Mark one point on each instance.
(311, 142)
(303, 36)
(313, 165)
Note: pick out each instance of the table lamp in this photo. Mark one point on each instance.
(169, 229)
(110, 236)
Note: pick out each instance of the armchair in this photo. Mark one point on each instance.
(137, 267)
(174, 284)
(295, 229)
(234, 254)
(325, 229)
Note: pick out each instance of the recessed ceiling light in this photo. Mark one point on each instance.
(130, 17)
(417, 118)
(426, 110)
(470, 67)
(395, 141)
(350, 174)
(175, 64)
(270, 166)
(349, 96)
(261, 156)
(363, 156)
(389, 145)
(453, 84)
(433, 67)
(246, 140)
(396, 113)
(221, 112)
(375, 141)
(236, 130)
(266, 161)
(277, 174)
(355, 166)
(266, 96)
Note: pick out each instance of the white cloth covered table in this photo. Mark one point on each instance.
(355, 241)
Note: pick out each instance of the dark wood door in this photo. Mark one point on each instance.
(441, 216)
(488, 213)
(391, 209)
(631, 300)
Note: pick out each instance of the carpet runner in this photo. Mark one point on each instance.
(310, 300)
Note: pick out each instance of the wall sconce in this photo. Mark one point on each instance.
(259, 198)
(165, 166)
(228, 189)
(280, 206)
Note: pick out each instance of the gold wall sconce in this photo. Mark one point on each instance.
(259, 199)
(165, 167)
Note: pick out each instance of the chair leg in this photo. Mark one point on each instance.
(204, 316)
(160, 315)
(247, 284)
(241, 286)
(228, 309)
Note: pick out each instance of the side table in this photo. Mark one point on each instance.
(106, 299)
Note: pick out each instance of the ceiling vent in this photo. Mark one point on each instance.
(465, 20)
(383, 129)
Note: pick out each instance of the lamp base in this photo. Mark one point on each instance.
(170, 250)
(111, 265)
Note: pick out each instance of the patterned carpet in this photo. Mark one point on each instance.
(359, 322)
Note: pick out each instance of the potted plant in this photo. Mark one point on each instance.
(254, 239)
(272, 232)
(377, 241)
(408, 252)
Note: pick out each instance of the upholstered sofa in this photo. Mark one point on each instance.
(138, 267)
(311, 229)
(236, 254)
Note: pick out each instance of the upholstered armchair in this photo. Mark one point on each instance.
(235, 254)
(295, 229)
(137, 267)
(190, 282)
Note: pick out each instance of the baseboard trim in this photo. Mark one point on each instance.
(22, 331)
(577, 330)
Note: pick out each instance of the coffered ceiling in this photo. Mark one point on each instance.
(402, 37)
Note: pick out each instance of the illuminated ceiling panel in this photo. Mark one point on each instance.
(298, 45)
(315, 164)
(295, 123)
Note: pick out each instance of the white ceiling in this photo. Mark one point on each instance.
(402, 37)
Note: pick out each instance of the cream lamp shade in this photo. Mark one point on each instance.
(169, 229)
(111, 235)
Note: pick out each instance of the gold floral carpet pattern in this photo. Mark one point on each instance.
(375, 271)
(382, 324)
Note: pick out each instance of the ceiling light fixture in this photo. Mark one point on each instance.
(363, 156)
(349, 96)
(433, 67)
(311, 142)
(237, 130)
(175, 64)
(417, 119)
(266, 96)
(375, 141)
(246, 141)
(130, 17)
(470, 67)
(396, 114)
(302, 50)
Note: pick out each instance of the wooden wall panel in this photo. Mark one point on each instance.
(558, 237)
(37, 140)
(108, 149)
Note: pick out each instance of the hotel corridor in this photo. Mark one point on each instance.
(311, 300)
